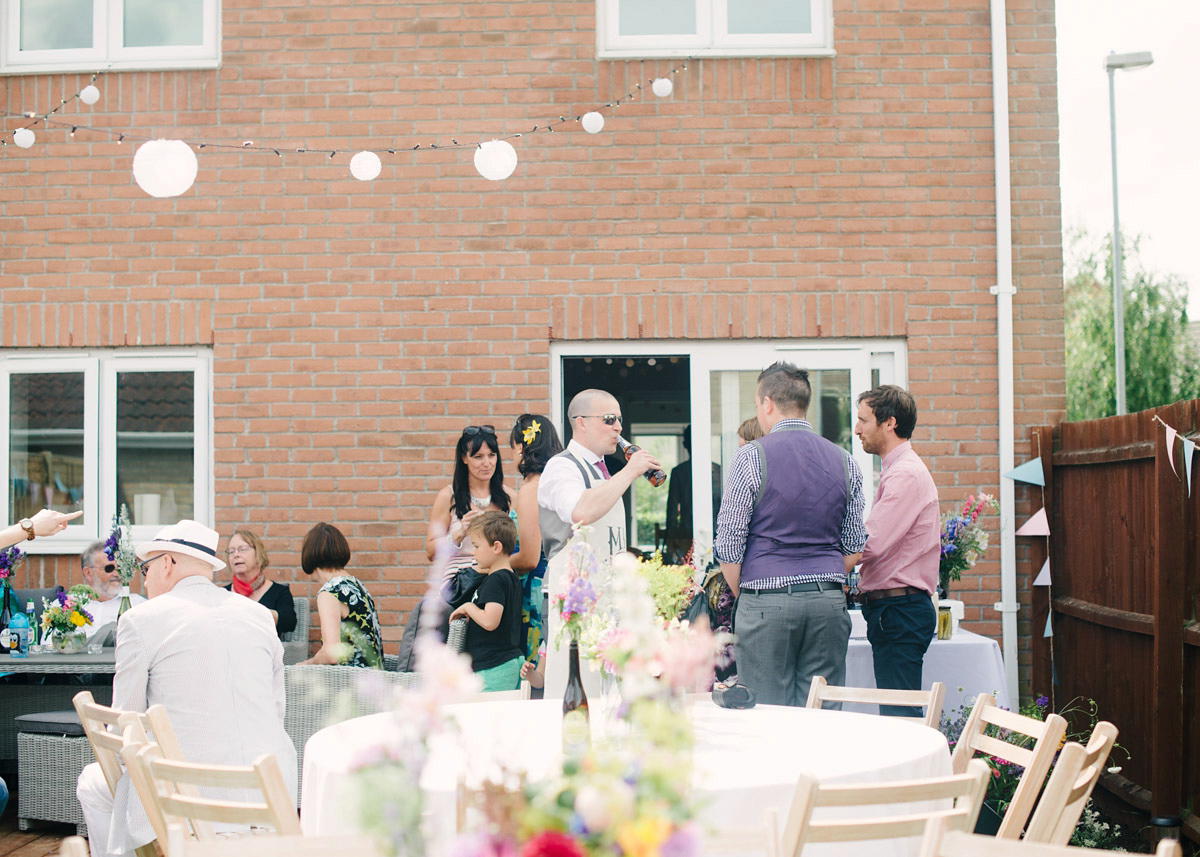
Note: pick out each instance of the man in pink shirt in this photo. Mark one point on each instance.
(899, 569)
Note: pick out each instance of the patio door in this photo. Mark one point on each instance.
(721, 380)
(724, 382)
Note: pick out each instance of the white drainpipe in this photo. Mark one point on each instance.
(1004, 290)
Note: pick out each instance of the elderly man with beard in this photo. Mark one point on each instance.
(100, 573)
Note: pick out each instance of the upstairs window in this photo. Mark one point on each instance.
(95, 35)
(717, 28)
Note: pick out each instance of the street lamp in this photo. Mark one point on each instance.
(1112, 62)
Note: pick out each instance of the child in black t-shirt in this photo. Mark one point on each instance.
(493, 634)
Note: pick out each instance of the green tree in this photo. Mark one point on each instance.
(1160, 362)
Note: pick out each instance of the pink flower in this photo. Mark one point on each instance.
(552, 843)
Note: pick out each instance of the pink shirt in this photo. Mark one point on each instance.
(904, 534)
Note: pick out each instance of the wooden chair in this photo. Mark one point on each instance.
(170, 789)
(966, 790)
(180, 844)
(73, 846)
(1070, 785)
(1015, 738)
(931, 699)
(939, 842)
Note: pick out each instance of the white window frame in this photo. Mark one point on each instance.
(100, 368)
(107, 51)
(712, 37)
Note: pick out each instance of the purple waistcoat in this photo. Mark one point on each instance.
(796, 526)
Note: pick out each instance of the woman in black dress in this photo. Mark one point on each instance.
(249, 562)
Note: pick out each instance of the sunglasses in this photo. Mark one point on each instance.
(144, 565)
(107, 568)
(609, 419)
(471, 431)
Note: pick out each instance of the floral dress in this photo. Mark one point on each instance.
(360, 628)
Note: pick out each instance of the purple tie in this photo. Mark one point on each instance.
(603, 468)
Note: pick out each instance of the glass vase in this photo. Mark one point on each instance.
(69, 644)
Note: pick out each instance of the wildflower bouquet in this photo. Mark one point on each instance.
(65, 614)
(671, 586)
(964, 538)
(576, 596)
(118, 547)
(10, 558)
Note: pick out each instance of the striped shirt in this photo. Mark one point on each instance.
(741, 487)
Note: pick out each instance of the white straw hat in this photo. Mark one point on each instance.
(189, 538)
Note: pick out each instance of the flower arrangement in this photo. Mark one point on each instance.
(671, 586)
(576, 597)
(10, 558)
(964, 538)
(65, 614)
(118, 547)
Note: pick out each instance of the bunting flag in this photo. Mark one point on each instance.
(1049, 632)
(1035, 526)
(1030, 471)
(1043, 578)
(1171, 447)
(1189, 446)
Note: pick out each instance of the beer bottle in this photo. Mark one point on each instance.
(654, 477)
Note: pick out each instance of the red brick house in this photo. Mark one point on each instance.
(284, 344)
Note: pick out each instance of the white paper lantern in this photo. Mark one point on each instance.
(496, 160)
(593, 122)
(164, 168)
(365, 166)
(662, 86)
(23, 137)
(89, 94)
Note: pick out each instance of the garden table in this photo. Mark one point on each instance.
(27, 696)
(743, 763)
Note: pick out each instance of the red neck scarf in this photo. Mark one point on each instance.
(247, 589)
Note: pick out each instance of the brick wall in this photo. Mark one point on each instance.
(356, 327)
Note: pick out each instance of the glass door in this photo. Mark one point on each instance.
(724, 382)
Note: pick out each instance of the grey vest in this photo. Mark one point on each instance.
(555, 531)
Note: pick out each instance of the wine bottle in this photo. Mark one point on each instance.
(576, 730)
(654, 477)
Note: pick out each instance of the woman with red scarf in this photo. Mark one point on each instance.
(249, 562)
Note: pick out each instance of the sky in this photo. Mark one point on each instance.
(1158, 128)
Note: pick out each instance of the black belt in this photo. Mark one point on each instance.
(870, 595)
(814, 586)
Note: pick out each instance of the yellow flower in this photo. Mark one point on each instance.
(77, 620)
(644, 837)
(531, 432)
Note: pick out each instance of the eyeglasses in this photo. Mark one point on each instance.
(239, 549)
(471, 431)
(144, 565)
(609, 419)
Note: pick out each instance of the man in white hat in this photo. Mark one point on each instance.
(211, 657)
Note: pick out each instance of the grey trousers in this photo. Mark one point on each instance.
(785, 639)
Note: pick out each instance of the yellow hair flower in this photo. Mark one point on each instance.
(531, 432)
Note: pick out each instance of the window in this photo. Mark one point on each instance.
(98, 430)
(90, 35)
(721, 28)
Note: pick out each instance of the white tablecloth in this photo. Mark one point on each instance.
(968, 664)
(744, 761)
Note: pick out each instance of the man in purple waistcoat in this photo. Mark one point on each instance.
(790, 527)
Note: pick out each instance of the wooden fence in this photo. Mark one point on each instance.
(1124, 557)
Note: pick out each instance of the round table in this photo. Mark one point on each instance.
(744, 761)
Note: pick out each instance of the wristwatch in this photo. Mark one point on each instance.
(27, 525)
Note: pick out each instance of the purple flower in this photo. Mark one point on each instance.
(1042, 702)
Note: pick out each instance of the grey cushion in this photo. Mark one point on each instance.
(36, 595)
(50, 723)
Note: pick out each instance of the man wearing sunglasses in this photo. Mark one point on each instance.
(100, 573)
(577, 488)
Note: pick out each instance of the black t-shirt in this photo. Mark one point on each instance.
(491, 648)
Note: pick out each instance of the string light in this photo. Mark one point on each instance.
(497, 156)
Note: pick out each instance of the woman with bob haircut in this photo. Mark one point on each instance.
(349, 623)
